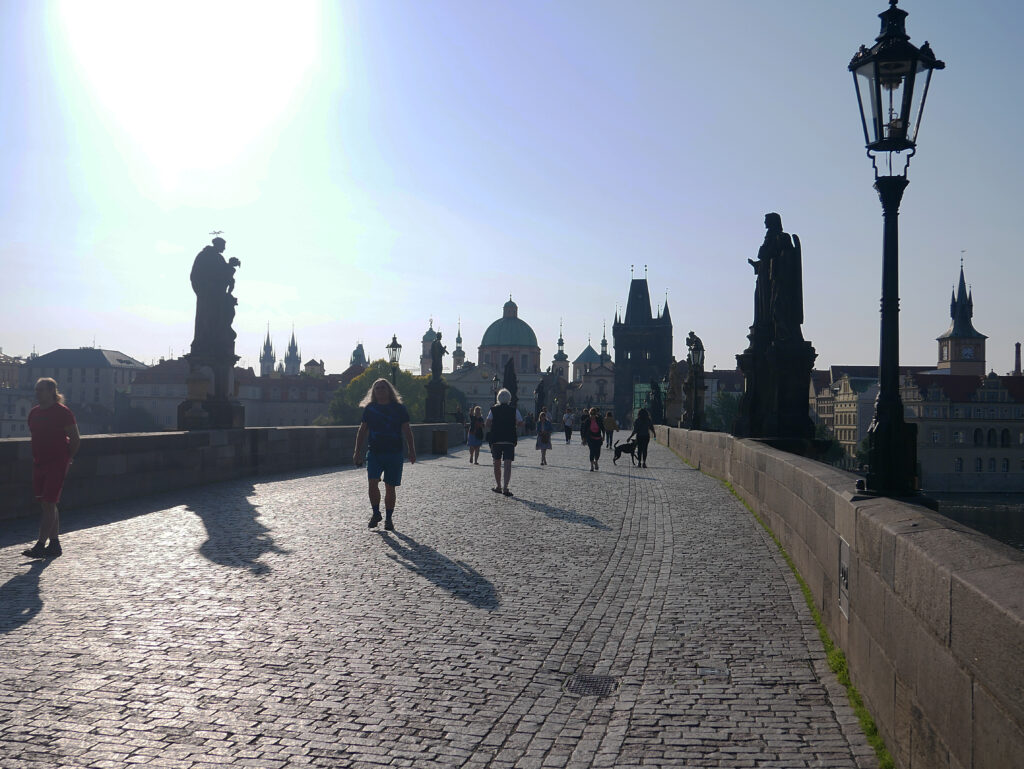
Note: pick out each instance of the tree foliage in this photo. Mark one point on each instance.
(345, 409)
(720, 415)
(834, 453)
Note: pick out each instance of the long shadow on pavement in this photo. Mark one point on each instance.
(235, 536)
(458, 578)
(19, 597)
(565, 515)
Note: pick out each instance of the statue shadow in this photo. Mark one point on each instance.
(458, 578)
(235, 536)
(19, 597)
(565, 515)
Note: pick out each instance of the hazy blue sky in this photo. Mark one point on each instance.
(374, 164)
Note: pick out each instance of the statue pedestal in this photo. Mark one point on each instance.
(776, 386)
(210, 414)
(434, 407)
(208, 406)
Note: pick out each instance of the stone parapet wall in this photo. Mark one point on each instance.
(933, 627)
(113, 467)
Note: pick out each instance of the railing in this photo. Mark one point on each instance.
(929, 613)
(113, 467)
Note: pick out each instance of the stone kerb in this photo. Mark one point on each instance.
(113, 467)
(934, 627)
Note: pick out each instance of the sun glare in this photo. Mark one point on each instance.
(193, 84)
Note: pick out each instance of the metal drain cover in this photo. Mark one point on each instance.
(712, 670)
(590, 686)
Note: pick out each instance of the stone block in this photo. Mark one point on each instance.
(943, 691)
(897, 732)
(867, 596)
(998, 737)
(927, 749)
(987, 631)
(111, 464)
(923, 584)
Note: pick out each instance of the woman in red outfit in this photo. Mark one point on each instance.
(55, 442)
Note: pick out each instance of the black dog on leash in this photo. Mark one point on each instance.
(629, 447)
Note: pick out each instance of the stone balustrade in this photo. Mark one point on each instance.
(929, 613)
(112, 467)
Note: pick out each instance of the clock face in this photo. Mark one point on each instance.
(967, 352)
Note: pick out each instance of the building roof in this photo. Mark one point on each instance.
(172, 371)
(870, 372)
(509, 330)
(86, 357)
(961, 310)
(820, 380)
(957, 387)
(728, 380)
(589, 355)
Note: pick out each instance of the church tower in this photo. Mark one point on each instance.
(605, 357)
(459, 356)
(643, 345)
(428, 339)
(962, 348)
(358, 356)
(560, 364)
(292, 361)
(267, 357)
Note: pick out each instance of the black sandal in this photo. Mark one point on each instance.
(496, 489)
(508, 493)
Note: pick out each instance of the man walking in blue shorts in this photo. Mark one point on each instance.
(385, 421)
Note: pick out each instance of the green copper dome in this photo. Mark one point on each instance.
(509, 330)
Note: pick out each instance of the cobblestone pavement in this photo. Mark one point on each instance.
(261, 624)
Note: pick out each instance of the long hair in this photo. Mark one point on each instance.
(57, 395)
(395, 395)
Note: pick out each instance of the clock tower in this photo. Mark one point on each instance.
(962, 348)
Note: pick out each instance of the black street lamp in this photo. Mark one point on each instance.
(891, 79)
(394, 352)
(495, 386)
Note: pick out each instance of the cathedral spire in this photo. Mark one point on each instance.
(293, 360)
(267, 356)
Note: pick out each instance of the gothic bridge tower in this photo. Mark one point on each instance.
(643, 346)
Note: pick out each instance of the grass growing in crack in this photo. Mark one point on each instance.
(833, 654)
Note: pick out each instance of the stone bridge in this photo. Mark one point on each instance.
(222, 603)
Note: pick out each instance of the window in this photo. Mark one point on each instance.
(992, 440)
(936, 436)
(958, 465)
(958, 436)
(1006, 465)
(977, 465)
(992, 464)
(1004, 438)
(524, 361)
(979, 437)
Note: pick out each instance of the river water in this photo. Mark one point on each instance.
(1000, 516)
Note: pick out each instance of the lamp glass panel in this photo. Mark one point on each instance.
(893, 82)
(917, 105)
(869, 105)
